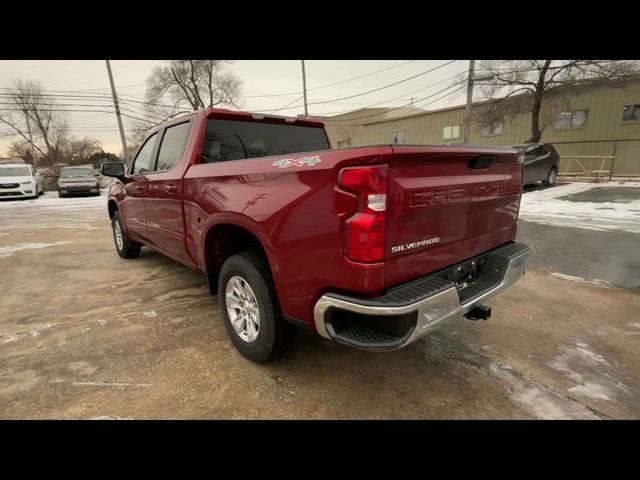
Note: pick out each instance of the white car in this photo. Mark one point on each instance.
(19, 180)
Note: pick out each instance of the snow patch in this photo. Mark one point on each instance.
(150, 314)
(109, 417)
(596, 281)
(591, 355)
(49, 211)
(537, 399)
(591, 390)
(11, 249)
(544, 206)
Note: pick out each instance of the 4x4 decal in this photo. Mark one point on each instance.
(300, 162)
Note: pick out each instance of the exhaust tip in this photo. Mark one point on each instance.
(479, 312)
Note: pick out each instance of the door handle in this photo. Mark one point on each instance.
(171, 188)
(139, 187)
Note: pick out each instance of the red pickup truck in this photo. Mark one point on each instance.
(372, 247)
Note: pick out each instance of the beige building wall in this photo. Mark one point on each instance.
(604, 132)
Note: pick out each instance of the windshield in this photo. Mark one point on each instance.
(76, 172)
(14, 172)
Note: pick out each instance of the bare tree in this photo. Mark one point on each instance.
(21, 148)
(77, 151)
(346, 133)
(193, 84)
(31, 110)
(519, 86)
(137, 134)
(182, 86)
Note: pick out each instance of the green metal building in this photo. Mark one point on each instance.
(590, 123)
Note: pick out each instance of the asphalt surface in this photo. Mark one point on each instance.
(590, 254)
(605, 195)
(85, 334)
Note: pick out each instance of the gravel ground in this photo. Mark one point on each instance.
(85, 334)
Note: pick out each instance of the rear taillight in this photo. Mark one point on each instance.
(366, 228)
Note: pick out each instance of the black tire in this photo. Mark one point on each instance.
(275, 335)
(127, 248)
(551, 177)
(60, 195)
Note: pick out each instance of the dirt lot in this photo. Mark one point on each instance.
(85, 334)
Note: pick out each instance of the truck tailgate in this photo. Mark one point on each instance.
(448, 204)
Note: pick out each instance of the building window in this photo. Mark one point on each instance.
(451, 132)
(492, 129)
(631, 113)
(398, 138)
(574, 119)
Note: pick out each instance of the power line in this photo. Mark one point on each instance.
(360, 76)
(103, 90)
(107, 97)
(402, 106)
(385, 86)
(288, 107)
(285, 107)
(393, 99)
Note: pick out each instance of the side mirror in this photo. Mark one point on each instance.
(113, 169)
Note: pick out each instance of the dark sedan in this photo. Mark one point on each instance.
(77, 180)
(541, 163)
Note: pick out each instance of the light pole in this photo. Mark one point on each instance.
(469, 109)
(117, 107)
(304, 89)
(467, 114)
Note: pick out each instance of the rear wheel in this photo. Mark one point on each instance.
(250, 310)
(125, 247)
(551, 177)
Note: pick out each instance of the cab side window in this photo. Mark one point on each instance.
(172, 147)
(143, 163)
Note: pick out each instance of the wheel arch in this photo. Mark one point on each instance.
(112, 207)
(225, 239)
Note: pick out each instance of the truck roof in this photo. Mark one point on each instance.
(226, 114)
(240, 115)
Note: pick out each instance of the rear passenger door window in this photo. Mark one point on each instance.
(174, 141)
(143, 163)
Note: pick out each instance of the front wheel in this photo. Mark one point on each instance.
(551, 177)
(125, 247)
(250, 309)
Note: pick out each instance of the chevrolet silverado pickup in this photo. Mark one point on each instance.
(372, 247)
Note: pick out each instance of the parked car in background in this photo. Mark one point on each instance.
(541, 163)
(20, 180)
(78, 180)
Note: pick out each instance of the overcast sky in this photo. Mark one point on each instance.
(259, 77)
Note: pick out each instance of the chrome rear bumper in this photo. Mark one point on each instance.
(440, 302)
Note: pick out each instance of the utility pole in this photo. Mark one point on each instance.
(115, 103)
(34, 153)
(304, 88)
(467, 115)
